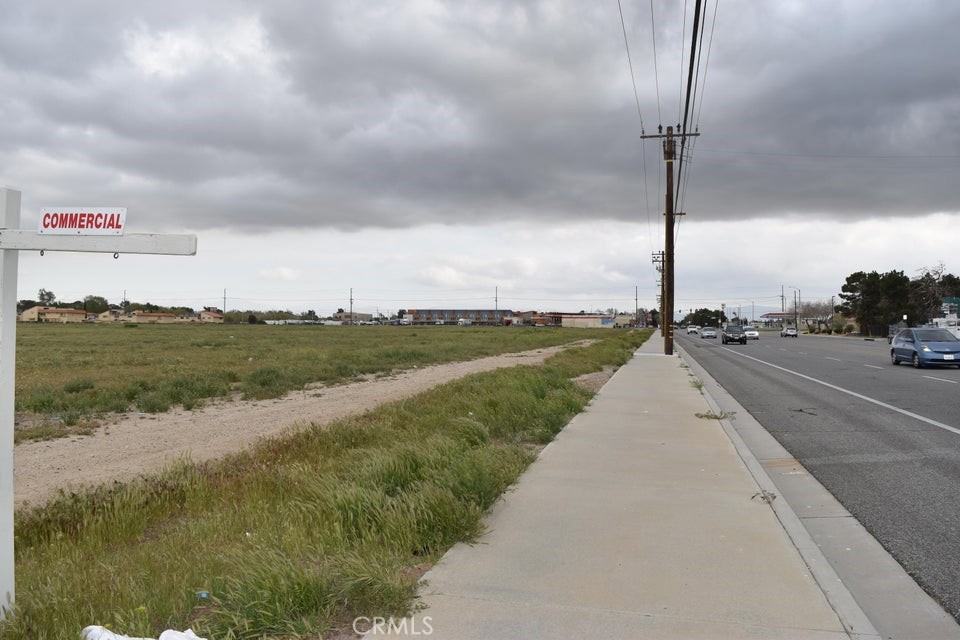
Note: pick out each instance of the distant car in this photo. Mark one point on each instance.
(734, 333)
(924, 347)
(788, 332)
(752, 333)
(693, 329)
(708, 332)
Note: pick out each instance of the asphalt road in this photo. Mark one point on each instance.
(883, 439)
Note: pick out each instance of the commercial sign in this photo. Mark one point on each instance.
(83, 221)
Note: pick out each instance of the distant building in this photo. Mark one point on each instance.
(52, 314)
(580, 320)
(484, 317)
(346, 317)
(212, 316)
(113, 314)
(151, 317)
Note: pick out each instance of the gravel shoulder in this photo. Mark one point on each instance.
(143, 443)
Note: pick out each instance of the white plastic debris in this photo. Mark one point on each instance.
(102, 633)
(172, 634)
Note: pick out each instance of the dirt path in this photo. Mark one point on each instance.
(140, 443)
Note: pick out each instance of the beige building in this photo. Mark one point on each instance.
(211, 316)
(149, 317)
(52, 314)
(111, 315)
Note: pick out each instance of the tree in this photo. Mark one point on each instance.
(46, 298)
(182, 311)
(820, 310)
(704, 317)
(876, 300)
(951, 285)
(929, 289)
(23, 305)
(95, 304)
(143, 306)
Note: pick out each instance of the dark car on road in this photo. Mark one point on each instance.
(734, 333)
(922, 347)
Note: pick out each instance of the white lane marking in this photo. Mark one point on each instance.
(941, 379)
(904, 412)
(873, 366)
(836, 359)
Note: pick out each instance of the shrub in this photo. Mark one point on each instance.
(76, 386)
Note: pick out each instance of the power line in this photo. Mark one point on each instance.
(838, 156)
(656, 71)
(643, 148)
(656, 79)
(633, 79)
(713, 28)
(694, 46)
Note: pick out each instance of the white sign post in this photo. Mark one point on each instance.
(72, 229)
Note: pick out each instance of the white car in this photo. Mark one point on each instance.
(751, 332)
(788, 332)
(693, 329)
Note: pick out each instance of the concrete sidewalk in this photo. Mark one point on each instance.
(641, 520)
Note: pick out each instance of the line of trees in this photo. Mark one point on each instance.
(878, 300)
(95, 304)
(705, 318)
(99, 304)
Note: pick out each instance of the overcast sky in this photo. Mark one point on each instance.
(466, 154)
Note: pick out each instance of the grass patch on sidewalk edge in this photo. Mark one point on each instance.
(301, 534)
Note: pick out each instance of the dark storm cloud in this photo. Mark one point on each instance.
(393, 114)
(841, 109)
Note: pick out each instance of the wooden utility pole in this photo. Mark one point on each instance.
(666, 312)
(669, 154)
